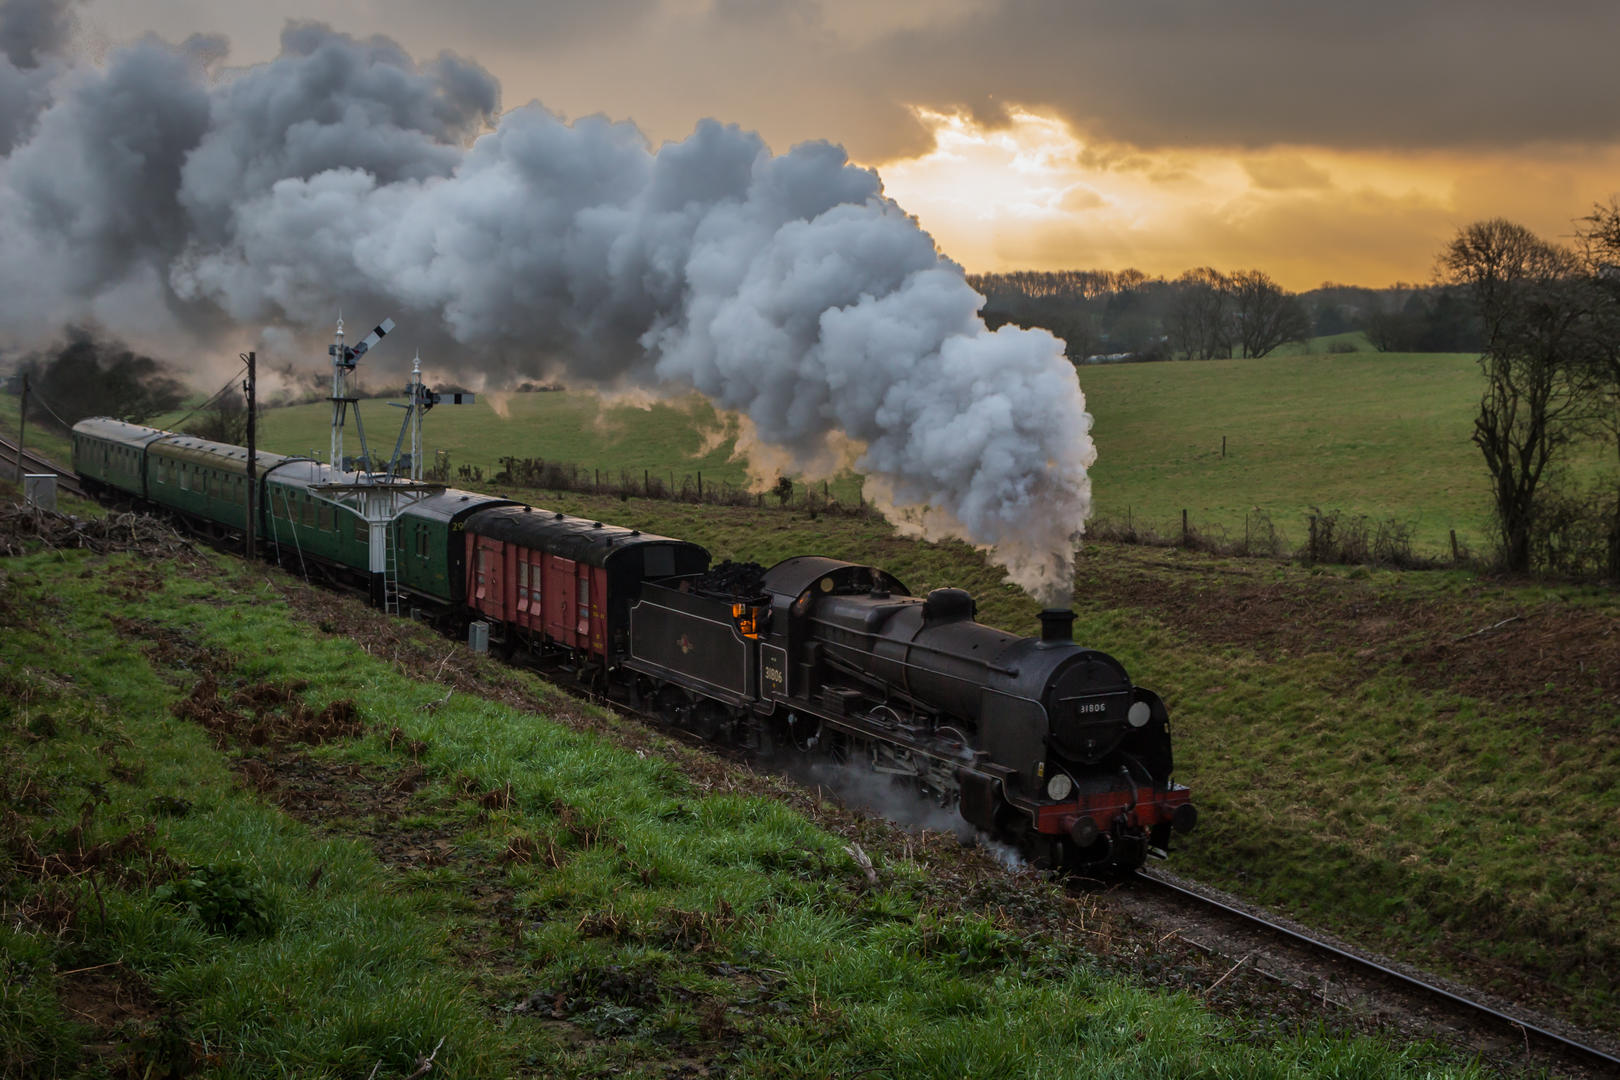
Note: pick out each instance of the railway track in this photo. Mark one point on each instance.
(66, 479)
(1569, 1054)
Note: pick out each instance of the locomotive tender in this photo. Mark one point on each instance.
(1038, 742)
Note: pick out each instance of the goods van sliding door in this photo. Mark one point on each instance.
(560, 589)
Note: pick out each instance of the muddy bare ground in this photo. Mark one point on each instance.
(1524, 647)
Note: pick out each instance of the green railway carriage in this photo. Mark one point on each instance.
(203, 479)
(110, 453)
(430, 554)
(305, 521)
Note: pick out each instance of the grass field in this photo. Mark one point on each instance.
(1385, 435)
(1363, 758)
(1381, 435)
(250, 835)
(674, 442)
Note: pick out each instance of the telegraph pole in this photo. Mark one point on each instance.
(22, 427)
(250, 388)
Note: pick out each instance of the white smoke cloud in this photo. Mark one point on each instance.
(786, 288)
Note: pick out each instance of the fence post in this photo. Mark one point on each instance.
(1454, 556)
(646, 482)
(1184, 526)
(700, 487)
(1223, 446)
(597, 489)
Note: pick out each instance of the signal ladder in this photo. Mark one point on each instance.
(390, 571)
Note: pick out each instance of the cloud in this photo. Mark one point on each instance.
(1286, 173)
(1380, 75)
(1258, 73)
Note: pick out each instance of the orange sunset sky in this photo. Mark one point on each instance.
(1317, 142)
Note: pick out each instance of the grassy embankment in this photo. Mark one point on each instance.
(37, 437)
(240, 843)
(1350, 768)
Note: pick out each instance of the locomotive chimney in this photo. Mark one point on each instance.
(1057, 624)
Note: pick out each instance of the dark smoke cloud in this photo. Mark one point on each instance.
(31, 30)
(91, 374)
(32, 33)
(786, 288)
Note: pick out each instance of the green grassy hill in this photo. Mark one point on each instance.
(1385, 435)
(1381, 434)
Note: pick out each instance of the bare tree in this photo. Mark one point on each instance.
(1598, 235)
(1265, 316)
(1200, 320)
(224, 420)
(1540, 343)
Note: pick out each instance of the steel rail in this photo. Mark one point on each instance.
(67, 480)
(1518, 1023)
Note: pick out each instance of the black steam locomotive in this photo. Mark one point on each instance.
(1038, 741)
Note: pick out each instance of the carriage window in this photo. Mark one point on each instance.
(583, 593)
(523, 584)
(421, 541)
(362, 531)
(324, 511)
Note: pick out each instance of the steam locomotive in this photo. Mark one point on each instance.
(1038, 742)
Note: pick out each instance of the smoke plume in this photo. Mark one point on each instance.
(166, 194)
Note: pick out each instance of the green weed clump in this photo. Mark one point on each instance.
(224, 898)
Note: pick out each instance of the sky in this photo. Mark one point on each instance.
(1317, 142)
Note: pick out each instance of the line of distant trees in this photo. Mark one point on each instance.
(1207, 313)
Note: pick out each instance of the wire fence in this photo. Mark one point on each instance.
(539, 474)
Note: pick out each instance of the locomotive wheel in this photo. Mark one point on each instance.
(674, 706)
(708, 721)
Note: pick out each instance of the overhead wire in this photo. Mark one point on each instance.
(231, 382)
